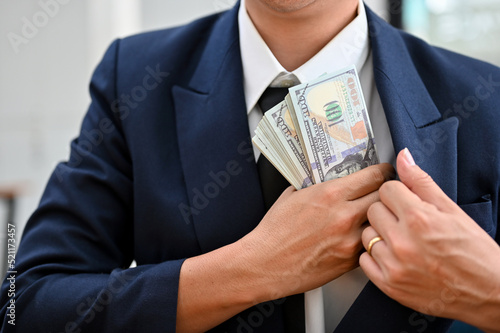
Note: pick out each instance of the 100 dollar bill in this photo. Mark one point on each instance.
(333, 124)
(281, 122)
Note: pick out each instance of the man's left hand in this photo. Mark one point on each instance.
(433, 257)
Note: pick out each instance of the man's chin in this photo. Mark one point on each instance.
(286, 6)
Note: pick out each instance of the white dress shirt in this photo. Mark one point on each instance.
(327, 305)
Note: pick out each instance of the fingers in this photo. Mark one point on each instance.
(397, 198)
(420, 183)
(379, 248)
(381, 218)
(371, 268)
(362, 205)
(364, 181)
(373, 265)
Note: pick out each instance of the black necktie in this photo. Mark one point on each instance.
(271, 181)
(273, 184)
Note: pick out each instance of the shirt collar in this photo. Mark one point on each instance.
(260, 67)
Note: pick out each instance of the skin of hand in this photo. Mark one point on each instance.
(433, 258)
(314, 234)
(307, 238)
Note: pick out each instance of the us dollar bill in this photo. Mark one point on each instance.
(280, 120)
(268, 139)
(333, 124)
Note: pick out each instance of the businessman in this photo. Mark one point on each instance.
(164, 173)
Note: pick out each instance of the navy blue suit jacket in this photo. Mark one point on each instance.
(163, 170)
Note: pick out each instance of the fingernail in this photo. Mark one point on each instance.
(409, 159)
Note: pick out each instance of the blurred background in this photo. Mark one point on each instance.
(49, 48)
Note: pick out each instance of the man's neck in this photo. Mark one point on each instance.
(295, 36)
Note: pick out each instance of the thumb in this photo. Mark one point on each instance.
(420, 183)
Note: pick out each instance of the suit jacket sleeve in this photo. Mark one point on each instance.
(72, 263)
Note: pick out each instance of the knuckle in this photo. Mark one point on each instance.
(402, 250)
(424, 177)
(396, 275)
(372, 210)
(377, 175)
(333, 191)
(354, 245)
(388, 187)
(350, 248)
(357, 216)
(343, 219)
(338, 229)
(416, 217)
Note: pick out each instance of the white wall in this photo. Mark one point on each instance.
(44, 77)
(42, 92)
(471, 27)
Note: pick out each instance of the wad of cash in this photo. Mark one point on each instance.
(321, 131)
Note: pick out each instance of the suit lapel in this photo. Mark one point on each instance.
(214, 141)
(432, 143)
(416, 123)
(413, 118)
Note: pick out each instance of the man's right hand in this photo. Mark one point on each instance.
(308, 238)
(312, 236)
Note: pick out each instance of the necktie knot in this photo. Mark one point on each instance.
(285, 80)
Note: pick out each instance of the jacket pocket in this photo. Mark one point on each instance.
(481, 213)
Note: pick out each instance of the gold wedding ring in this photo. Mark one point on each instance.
(372, 242)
